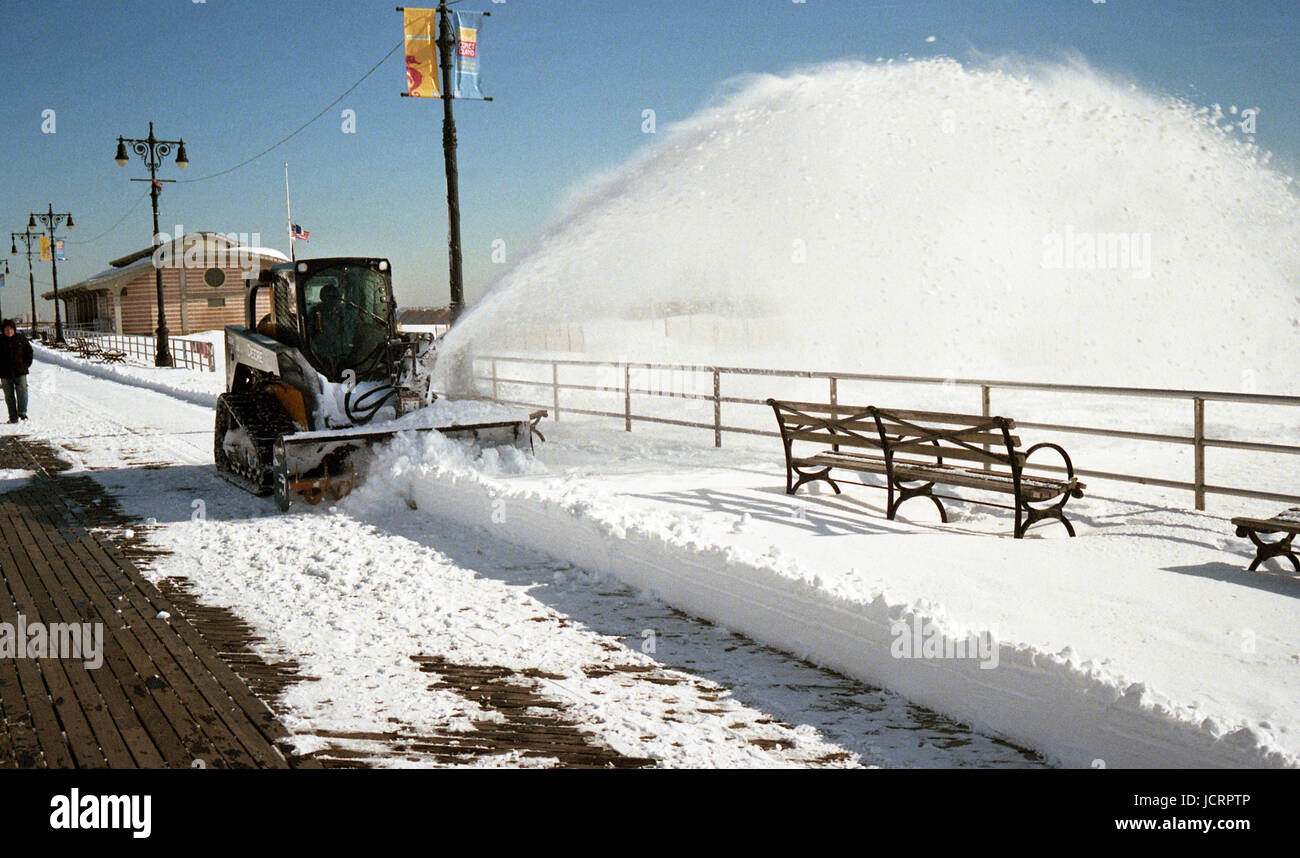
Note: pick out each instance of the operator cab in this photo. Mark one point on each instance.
(340, 312)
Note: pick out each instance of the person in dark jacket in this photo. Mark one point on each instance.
(15, 363)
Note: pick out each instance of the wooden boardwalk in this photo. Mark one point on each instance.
(162, 697)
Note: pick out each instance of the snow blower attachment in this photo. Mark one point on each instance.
(324, 376)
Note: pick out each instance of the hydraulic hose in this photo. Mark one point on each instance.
(368, 404)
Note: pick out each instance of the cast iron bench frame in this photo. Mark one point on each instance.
(1287, 523)
(925, 439)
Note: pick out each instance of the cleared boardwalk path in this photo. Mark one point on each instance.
(162, 697)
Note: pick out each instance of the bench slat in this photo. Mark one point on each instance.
(1033, 488)
(946, 452)
(1285, 522)
(914, 416)
(894, 430)
(825, 437)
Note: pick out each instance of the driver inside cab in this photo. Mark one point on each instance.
(328, 325)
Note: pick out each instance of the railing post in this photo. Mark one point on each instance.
(555, 388)
(835, 391)
(986, 405)
(1198, 434)
(717, 408)
(495, 396)
(627, 397)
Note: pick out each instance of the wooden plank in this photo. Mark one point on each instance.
(165, 651)
(1270, 525)
(114, 677)
(24, 743)
(54, 605)
(831, 438)
(943, 417)
(55, 752)
(964, 454)
(1033, 488)
(243, 714)
(178, 744)
(211, 677)
(69, 707)
(192, 718)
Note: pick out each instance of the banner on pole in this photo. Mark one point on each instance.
(465, 66)
(58, 249)
(421, 29)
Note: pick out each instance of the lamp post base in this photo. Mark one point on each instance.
(162, 355)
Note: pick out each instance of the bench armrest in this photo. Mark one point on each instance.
(1069, 466)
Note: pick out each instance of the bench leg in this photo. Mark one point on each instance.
(1033, 516)
(1027, 516)
(1265, 551)
(792, 485)
(906, 494)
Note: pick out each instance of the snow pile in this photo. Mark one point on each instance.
(927, 218)
(189, 385)
(1153, 680)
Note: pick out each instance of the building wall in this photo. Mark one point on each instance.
(201, 309)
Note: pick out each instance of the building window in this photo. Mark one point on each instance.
(214, 277)
(216, 302)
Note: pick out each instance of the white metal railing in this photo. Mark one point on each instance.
(186, 354)
(1198, 440)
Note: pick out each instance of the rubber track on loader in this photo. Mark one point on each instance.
(264, 419)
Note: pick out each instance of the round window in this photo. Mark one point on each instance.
(214, 277)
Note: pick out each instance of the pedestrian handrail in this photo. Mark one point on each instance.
(488, 371)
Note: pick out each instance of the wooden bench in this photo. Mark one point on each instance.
(917, 450)
(1286, 523)
(86, 348)
(108, 356)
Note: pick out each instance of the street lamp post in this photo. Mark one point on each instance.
(152, 151)
(447, 40)
(52, 220)
(28, 237)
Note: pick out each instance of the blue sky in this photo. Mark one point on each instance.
(570, 80)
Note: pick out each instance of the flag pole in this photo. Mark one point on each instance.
(288, 211)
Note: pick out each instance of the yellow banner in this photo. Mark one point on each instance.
(421, 27)
(45, 248)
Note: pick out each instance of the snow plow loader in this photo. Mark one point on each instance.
(324, 376)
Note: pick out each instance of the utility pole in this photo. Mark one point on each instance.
(28, 237)
(52, 220)
(152, 151)
(447, 40)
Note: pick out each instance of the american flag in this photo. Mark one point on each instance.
(301, 234)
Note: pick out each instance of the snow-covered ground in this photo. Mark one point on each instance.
(352, 593)
(1140, 643)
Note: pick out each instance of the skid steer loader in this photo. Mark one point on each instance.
(324, 376)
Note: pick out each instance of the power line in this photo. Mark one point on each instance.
(118, 223)
(300, 128)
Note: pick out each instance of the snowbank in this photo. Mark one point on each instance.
(188, 385)
(1134, 645)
